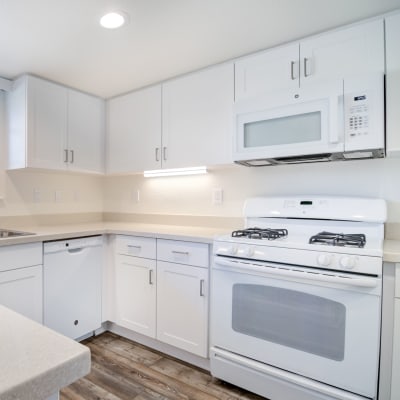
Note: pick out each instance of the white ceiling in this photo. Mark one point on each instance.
(61, 39)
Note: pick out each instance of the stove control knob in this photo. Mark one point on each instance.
(324, 260)
(249, 252)
(347, 262)
(232, 250)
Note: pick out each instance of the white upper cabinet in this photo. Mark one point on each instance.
(53, 127)
(267, 71)
(348, 51)
(184, 123)
(344, 52)
(86, 132)
(393, 85)
(197, 118)
(134, 131)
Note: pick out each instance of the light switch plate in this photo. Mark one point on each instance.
(217, 196)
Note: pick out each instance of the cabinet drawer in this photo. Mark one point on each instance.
(183, 252)
(136, 246)
(20, 255)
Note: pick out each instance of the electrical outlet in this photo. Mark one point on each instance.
(77, 195)
(217, 196)
(37, 197)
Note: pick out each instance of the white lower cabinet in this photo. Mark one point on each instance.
(136, 294)
(182, 306)
(21, 279)
(395, 391)
(395, 386)
(161, 290)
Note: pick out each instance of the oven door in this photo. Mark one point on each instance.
(290, 123)
(300, 320)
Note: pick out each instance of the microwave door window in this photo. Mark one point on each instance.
(301, 128)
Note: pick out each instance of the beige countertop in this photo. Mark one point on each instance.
(391, 251)
(35, 362)
(66, 231)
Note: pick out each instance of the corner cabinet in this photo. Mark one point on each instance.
(332, 55)
(52, 127)
(392, 25)
(21, 275)
(184, 122)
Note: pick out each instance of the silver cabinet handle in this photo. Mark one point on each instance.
(135, 246)
(150, 276)
(201, 287)
(306, 72)
(65, 155)
(292, 64)
(157, 154)
(184, 253)
(72, 156)
(165, 153)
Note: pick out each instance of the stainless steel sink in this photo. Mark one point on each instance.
(8, 233)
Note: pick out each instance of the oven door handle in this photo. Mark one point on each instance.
(295, 273)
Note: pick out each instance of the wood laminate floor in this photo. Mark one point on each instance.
(125, 370)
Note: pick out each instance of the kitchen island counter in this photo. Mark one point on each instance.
(36, 362)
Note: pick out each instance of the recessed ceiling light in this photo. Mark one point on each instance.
(113, 20)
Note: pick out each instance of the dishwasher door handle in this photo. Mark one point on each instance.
(76, 251)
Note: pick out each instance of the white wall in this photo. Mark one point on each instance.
(30, 192)
(193, 195)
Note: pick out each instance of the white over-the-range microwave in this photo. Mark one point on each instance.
(335, 120)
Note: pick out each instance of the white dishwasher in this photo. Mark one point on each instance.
(72, 274)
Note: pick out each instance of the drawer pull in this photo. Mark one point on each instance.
(183, 253)
(134, 246)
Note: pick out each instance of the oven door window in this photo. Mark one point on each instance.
(290, 318)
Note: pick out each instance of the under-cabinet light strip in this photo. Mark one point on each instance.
(175, 172)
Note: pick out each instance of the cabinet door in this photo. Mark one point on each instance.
(393, 85)
(46, 124)
(344, 52)
(182, 304)
(134, 131)
(395, 390)
(85, 132)
(21, 290)
(197, 118)
(268, 71)
(135, 291)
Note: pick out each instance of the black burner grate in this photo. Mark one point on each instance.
(339, 239)
(258, 233)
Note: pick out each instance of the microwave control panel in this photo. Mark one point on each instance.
(357, 115)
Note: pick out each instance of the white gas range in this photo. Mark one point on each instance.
(296, 298)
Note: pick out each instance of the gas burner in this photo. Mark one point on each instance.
(339, 239)
(258, 233)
